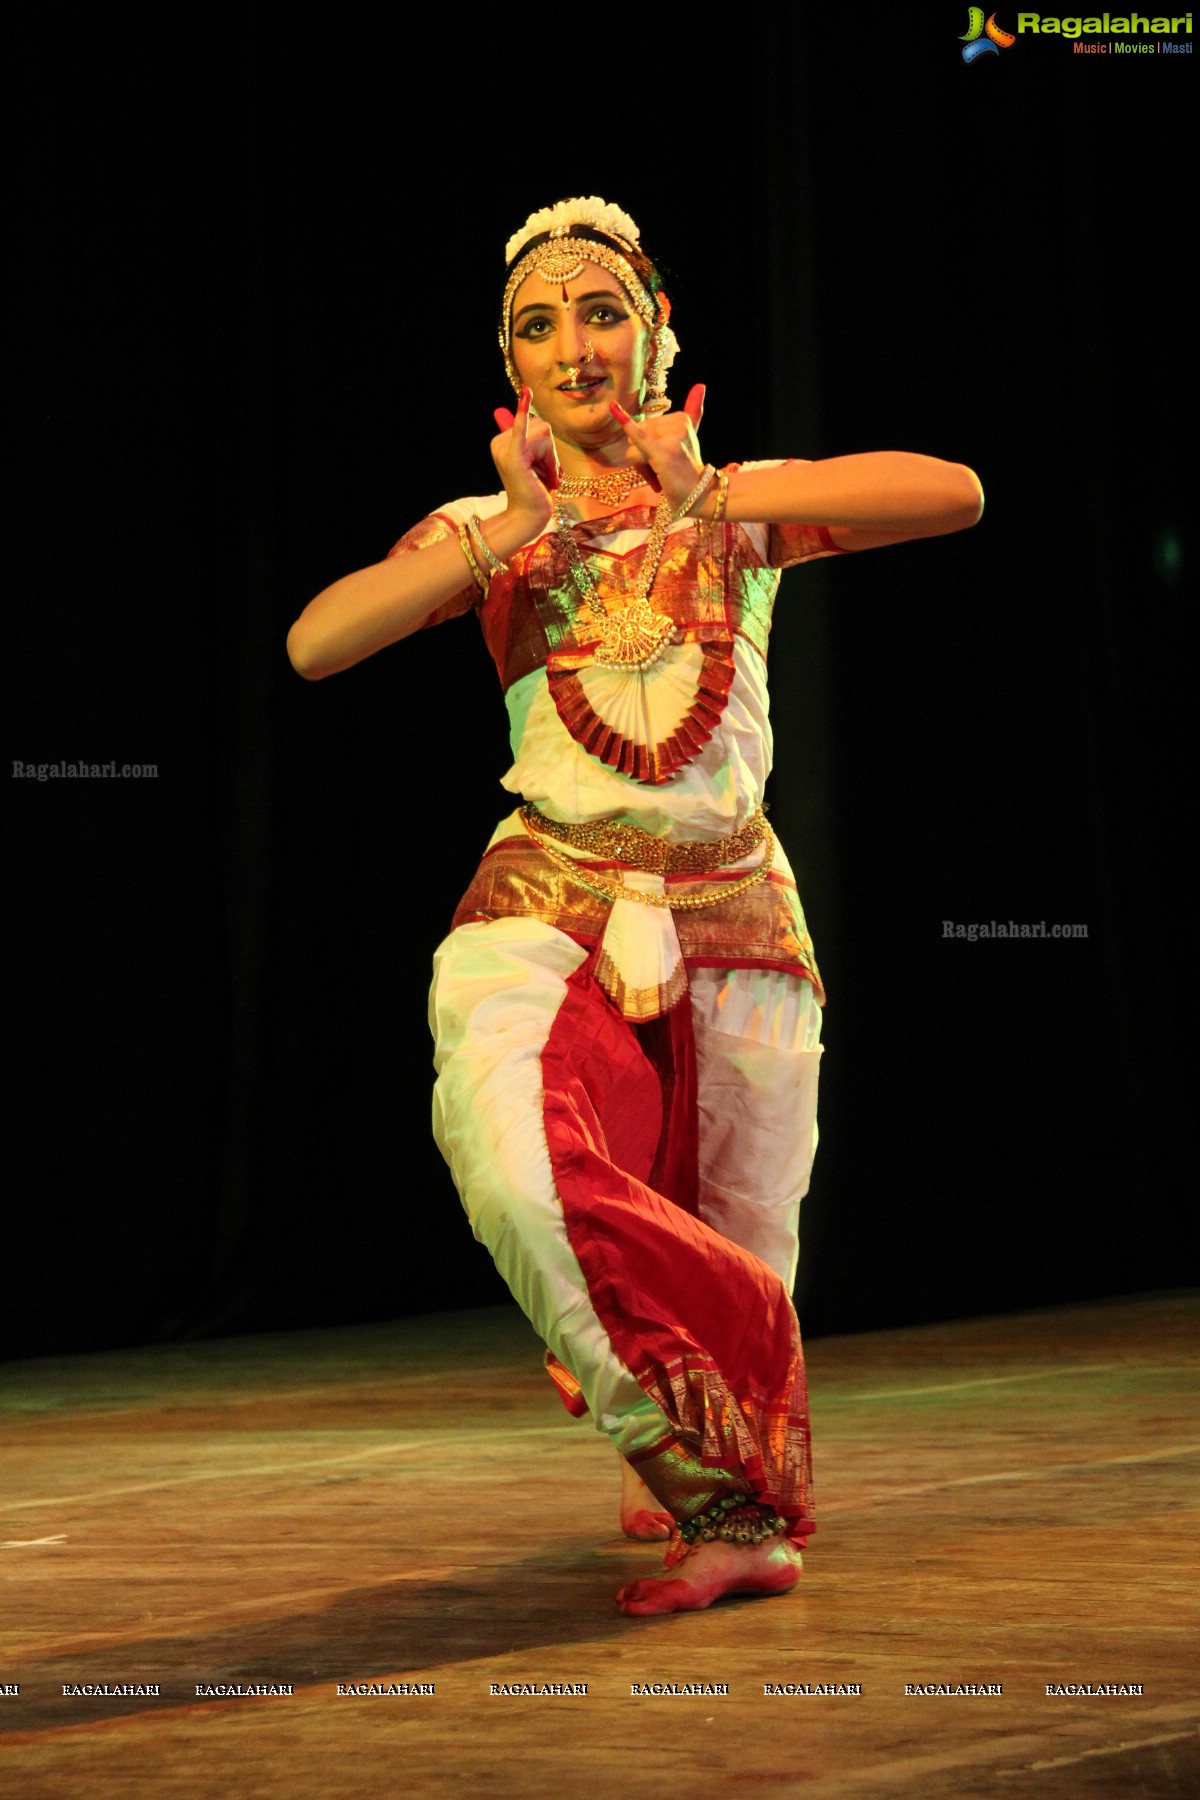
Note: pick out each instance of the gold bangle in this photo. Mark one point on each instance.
(707, 476)
(722, 499)
(475, 527)
(464, 538)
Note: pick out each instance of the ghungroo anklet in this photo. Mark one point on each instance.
(734, 1519)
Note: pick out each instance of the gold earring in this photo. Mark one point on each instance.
(655, 400)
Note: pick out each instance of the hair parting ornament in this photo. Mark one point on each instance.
(556, 242)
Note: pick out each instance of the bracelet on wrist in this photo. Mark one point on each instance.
(464, 539)
(493, 562)
(722, 499)
(707, 476)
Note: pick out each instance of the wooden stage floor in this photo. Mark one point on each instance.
(1006, 1502)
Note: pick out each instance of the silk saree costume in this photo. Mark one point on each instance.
(626, 1087)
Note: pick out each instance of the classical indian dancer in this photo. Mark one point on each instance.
(626, 1011)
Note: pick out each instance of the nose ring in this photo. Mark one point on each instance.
(586, 350)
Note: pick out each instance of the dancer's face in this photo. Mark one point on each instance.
(549, 338)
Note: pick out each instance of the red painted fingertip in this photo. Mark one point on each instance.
(526, 397)
(618, 412)
(503, 418)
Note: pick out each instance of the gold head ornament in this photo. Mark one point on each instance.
(556, 242)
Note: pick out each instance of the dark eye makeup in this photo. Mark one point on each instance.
(600, 316)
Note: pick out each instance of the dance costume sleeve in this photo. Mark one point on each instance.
(444, 523)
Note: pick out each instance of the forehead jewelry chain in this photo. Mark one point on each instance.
(635, 637)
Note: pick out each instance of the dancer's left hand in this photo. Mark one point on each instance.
(670, 444)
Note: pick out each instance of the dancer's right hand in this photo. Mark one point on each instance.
(526, 461)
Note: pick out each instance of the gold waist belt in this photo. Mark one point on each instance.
(640, 849)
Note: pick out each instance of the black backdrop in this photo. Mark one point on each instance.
(259, 265)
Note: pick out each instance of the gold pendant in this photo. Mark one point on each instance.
(634, 638)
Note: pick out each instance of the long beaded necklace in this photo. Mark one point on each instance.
(635, 637)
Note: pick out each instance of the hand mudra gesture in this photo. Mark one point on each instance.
(669, 443)
(525, 458)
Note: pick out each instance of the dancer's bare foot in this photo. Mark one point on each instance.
(642, 1516)
(711, 1570)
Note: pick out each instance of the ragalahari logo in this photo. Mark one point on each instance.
(983, 40)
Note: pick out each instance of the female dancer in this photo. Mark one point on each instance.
(626, 1011)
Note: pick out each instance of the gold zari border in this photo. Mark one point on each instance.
(760, 927)
(712, 1433)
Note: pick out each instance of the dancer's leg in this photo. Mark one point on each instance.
(758, 1052)
(757, 1034)
(497, 989)
(497, 1001)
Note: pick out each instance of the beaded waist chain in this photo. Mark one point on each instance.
(642, 850)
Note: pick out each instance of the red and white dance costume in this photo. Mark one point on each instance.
(626, 1091)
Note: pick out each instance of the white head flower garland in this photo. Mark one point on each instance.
(561, 251)
(586, 210)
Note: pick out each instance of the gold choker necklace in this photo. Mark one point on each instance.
(610, 488)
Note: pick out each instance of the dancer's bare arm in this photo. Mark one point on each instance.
(878, 497)
(376, 606)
